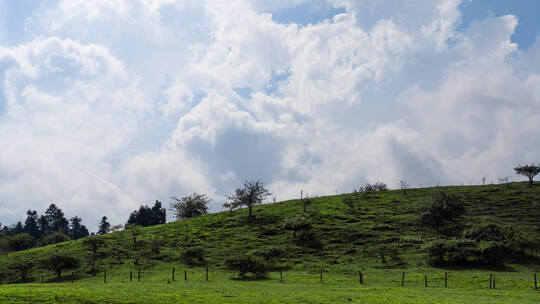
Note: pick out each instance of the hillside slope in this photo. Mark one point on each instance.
(384, 224)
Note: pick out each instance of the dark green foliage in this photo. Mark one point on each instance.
(190, 206)
(54, 238)
(269, 253)
(20, 268)
(298, 223)
(147, 216)
(490, 232)
(56, 220)
(247, 264)
(95, 247)
(301, 223)
(443, 208)
(193, 256)
(59, 262)
(31, 225)
(529, 171)
(76, 229)
(253, 194)
(378, 186)
(104, 226)
(19, 241)
(453, 252)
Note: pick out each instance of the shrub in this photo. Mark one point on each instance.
(268, 253)
(453, 252)
(247, 264)
(193, 256)
(443, 207)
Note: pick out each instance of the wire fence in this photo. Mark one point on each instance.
(370, 278)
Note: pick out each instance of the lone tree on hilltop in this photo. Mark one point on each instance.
(190, 206)
(444, 207)
(530, 171)
(251, 195)
(104, 226)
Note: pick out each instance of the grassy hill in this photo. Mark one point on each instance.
(384, 226)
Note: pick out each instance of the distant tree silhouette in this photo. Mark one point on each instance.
(529, 171)
(104, 226)
(147, 216)
(56, 220)
(76, 229)
(251, 195)
(31, 225)
(190, 206)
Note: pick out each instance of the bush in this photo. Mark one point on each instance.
(248, 264)
(193, 256)
(490, 232)
(443, 207)
(378, 186)
(268, 253)
(453, 252)
(20, 268)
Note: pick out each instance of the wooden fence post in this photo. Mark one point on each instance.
(131, 276)
(105, 276)
(425, 280)
(494, 282)
(207, 273)
(281, 275)
(490, 280)
(403, 279)
(185, 275)
(321, 274)
(445, 280)
(360, 277)
(173, 273)
(139, 275)
(535, 286)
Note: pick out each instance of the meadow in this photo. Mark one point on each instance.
(382, 238)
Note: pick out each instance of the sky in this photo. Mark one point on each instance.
(109, 104)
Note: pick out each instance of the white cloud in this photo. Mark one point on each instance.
(117, 103)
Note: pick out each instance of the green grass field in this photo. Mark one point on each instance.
(380, 286)
(346, 245)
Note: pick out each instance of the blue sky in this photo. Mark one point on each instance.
(105, 105)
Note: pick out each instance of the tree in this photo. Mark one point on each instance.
(147, 216)
(53, 238)
(21, 267)
(250, 196)
(444, 207)
(20, 241)
(56, 219)
(94, 245)
(31, 225)
(403, 186)
(529, 171)
(190, 206)
(59, 262)
(104, 226)
(76, 229)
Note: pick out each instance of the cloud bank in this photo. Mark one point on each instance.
(110, 104)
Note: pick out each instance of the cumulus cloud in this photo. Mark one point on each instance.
(117, 103)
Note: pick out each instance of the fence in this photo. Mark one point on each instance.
(373, 278)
